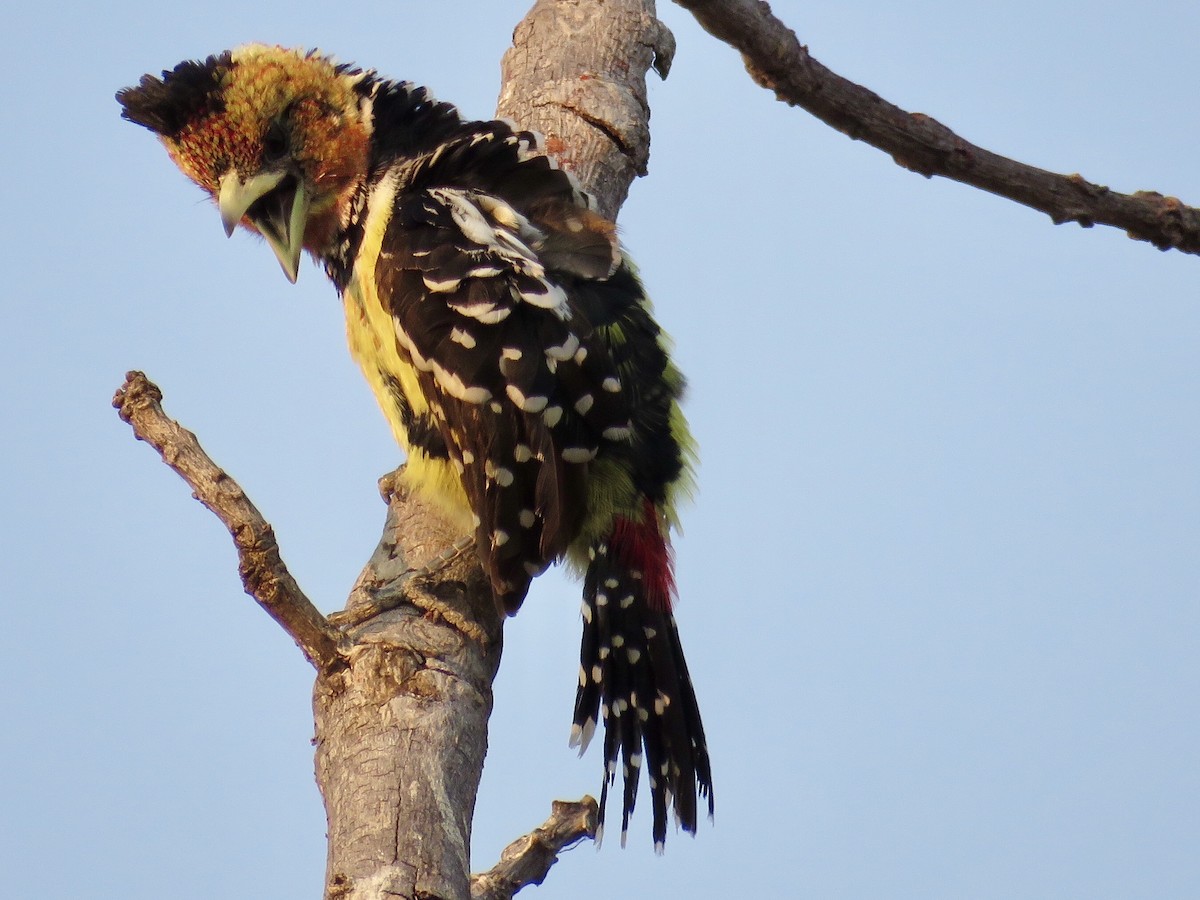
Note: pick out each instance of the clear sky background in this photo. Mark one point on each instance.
(939, 587)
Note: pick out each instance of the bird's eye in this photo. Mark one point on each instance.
(275, 142)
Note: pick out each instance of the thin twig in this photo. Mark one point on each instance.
(777, 60)
(528, 859)
(264, 575)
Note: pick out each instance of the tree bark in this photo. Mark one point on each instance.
(401, 731)
(576, 73)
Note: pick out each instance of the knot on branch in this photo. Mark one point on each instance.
(138, 391)
(1176, 222)
(662, 45)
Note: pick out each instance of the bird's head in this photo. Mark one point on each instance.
(279, 138)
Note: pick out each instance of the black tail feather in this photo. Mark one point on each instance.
(634, 678)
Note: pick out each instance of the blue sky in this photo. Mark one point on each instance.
(939, 587)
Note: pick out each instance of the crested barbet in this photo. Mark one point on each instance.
(507, 339)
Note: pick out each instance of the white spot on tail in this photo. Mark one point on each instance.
(582, 736)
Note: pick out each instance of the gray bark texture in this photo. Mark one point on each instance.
(401, 729)
(576, 73)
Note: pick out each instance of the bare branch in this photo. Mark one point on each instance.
(528, 859)
(576, 74)
(264, 575)
(778, 61)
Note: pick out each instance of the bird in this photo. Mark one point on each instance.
(509, 342)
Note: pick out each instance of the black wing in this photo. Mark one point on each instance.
(521, 388)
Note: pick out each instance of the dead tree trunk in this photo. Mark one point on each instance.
(401, 728)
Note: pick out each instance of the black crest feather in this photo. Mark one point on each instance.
(165, 105)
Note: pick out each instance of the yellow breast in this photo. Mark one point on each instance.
(388, 368)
